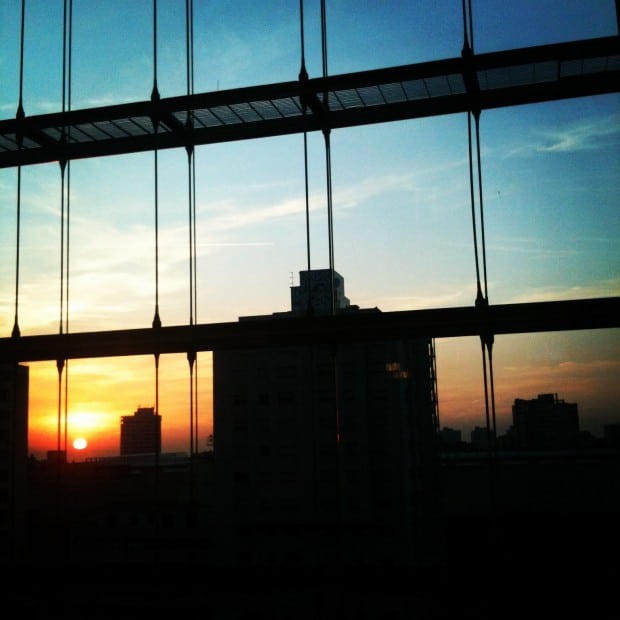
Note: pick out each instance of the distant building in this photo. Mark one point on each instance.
(479, 438)
(57, 456)
(14, 383)
(327, 455)
(546, 422)
(450, 437)
(611, 435)
(141, 432)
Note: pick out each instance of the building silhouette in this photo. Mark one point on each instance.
(314, 292)
(450, 437)
(479, 438)
(14, 379)
(611, 435)
(545, 422)
(327, 455)
(141, 432)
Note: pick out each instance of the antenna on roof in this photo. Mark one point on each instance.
(291, 278)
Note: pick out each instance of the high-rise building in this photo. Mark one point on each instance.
(545, 422)
(141, 432)
(14, 380)
(326, 455)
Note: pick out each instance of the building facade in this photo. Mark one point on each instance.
(141, 432)
(326, 456)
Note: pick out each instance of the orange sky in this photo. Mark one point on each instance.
(102, 390)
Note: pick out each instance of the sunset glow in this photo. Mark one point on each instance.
(101, 392)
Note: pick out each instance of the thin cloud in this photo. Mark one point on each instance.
(582, 137)
(587, 135)
(537, 247)
(238, 218)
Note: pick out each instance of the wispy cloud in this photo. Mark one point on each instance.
(538, 248)
(235, 217)
(585, 135)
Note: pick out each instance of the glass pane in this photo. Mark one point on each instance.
(550, 177)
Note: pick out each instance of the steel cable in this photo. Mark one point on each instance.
(20, 116)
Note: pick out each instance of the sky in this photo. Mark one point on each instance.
(401, 208)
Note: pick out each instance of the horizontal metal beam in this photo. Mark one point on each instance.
(289, 330)
(471, 82)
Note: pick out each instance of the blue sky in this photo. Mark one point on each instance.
(402, 220)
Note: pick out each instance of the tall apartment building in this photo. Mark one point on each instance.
(545, 422)
(14, 380)
(141, 432)
(326, 455)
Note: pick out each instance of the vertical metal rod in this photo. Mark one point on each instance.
(62, 163)
(307, 199)
(196, 406)
(194, 230)
(190, 151)
(155, 121)
(62, 242)
(191, 358)
(69, 43)
(191, 168)
(473, 208)
(330, 224)
(20, 115)
(480, 201)
(328, 164)
(157, 447)
(486, 390)
(59, 366)
(156, 317)
(69, 72)
(303, 77)
(492, 387)
(15, 332)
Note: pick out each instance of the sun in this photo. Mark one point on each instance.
(80, 443)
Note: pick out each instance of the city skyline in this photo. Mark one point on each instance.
(400, 191)
(103, 432)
